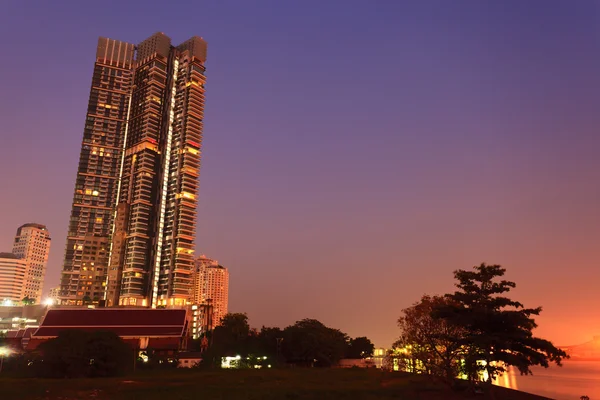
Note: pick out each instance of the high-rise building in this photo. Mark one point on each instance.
(12, 278)
(211, 288)
(32, 244)
(96, 187)
(132, 229)
(54, 294)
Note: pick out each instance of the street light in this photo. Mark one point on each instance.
(4, 351)
(49, 302)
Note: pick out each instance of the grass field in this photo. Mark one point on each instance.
(300, 384)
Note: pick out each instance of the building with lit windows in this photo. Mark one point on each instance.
(87, 250)
(132, 229)
(32, 244)
(54, 294)
(211, 290)
(13, 270)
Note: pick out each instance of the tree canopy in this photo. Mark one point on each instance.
(477, 328)
(433, 342)
(27, 301)
(499, 330)
(74, 354)
(308, 342)
(360, 347)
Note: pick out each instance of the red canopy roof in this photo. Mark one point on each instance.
(125, 322)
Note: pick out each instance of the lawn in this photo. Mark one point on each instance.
(300, 384)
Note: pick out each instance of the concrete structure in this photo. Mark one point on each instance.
(54, 294)
(133, 222)
(19, 316)
(18, 339)
(189, 359)
(211, 288)
(32, 244)
(13, 271)
(96, 186)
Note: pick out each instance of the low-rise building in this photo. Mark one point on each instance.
(189, 359)
(161, 330)
(21, 316)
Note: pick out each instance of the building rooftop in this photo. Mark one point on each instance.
(33, 225)
(125, 322)
(9, 255)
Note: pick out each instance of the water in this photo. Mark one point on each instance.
(569, 382)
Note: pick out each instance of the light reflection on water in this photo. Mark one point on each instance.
(569, 382)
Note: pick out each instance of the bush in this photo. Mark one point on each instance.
(75, 354)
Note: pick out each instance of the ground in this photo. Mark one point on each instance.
(297, 384)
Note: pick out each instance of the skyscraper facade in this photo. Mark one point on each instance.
(98, 175)
(32, 244)
(211, 288)
(144, 245)
(12, 278)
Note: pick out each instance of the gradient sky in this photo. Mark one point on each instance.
(355, 152)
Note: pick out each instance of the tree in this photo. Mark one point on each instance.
(86, 300)
(429, 343)
(27, 301)
(360, 347)
(75, 353)
(308, 342)
(235, 325)
(233, 337)
(266, 341)
(498, 329)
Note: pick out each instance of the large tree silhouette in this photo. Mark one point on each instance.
(498, 329)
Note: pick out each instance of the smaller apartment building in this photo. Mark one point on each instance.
(12, 278)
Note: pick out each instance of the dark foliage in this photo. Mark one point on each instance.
(310, 343)
(75, 354)
(499, 330)
(360, 347)
(27, 301)
(233, 337)
(435, 342)
(306, 343)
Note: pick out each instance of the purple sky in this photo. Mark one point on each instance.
(355, 152)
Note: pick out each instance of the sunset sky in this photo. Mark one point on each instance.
(355, 152)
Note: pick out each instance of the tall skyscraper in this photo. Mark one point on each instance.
(32, 244)
(96, 187)
(132, 229)
(211, 287)
(12, 278)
